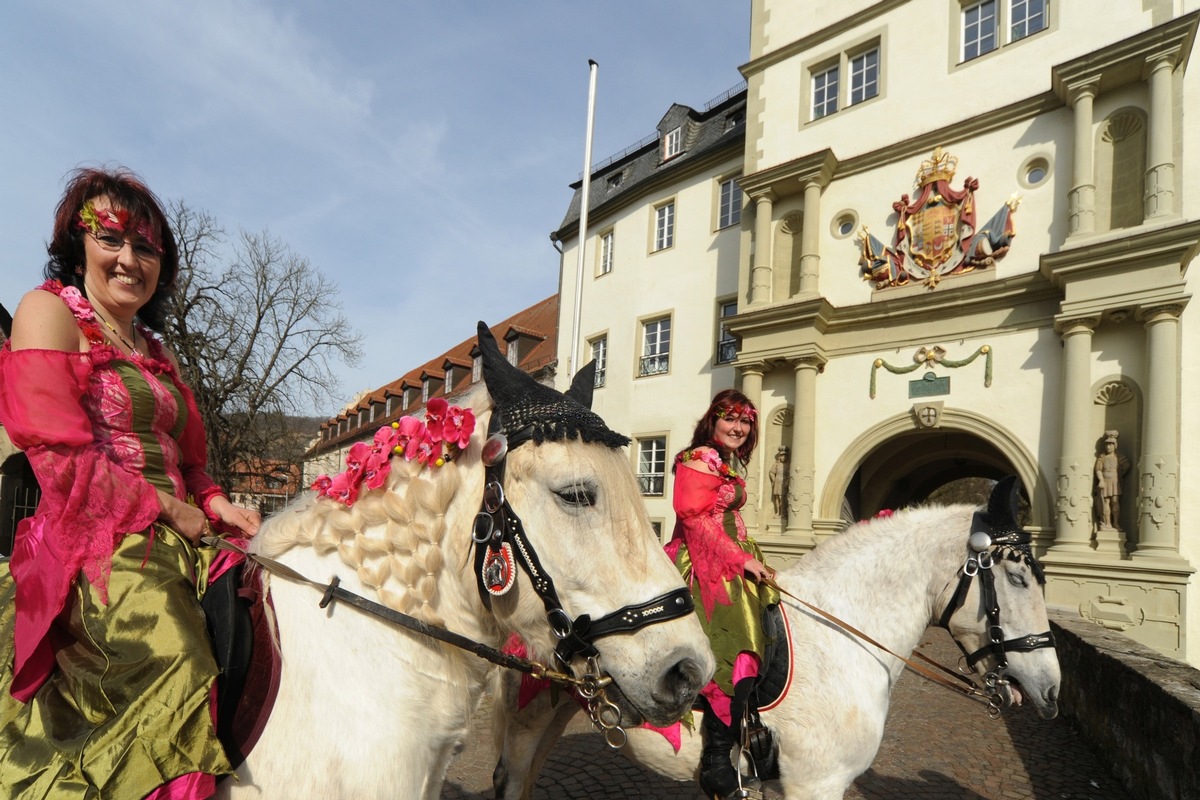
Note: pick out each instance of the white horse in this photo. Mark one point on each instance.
(890, 578)
(369, 709)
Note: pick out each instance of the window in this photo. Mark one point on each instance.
(409, 394)
(729, 209)
(600, 356)
(980, 32)
(726, 341)
(1026, 17)
(664, 226)
(652, 465)
(606, 252)
(514, 351)
(374, 411)
(656, 347)
(864, 76)
(825, 92)
(672, 143)
(476, 368)
(449, 379)
(391, 405)
(425, 391)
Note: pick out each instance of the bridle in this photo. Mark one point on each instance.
(500, 540)
(985, 545)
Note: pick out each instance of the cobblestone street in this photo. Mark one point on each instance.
(937, 746)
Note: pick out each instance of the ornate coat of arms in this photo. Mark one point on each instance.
(936, 234)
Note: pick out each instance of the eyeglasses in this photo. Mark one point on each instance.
(142, 249)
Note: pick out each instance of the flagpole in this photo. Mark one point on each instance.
(583, 217)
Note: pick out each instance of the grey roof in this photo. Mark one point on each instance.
(721, 125)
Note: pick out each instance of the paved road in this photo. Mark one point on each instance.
(937, 746)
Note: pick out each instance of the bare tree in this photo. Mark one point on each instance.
(255, 339)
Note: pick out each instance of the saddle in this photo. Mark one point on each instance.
(247, 651)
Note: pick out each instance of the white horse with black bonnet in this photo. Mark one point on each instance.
(369, 709)
(968, 571)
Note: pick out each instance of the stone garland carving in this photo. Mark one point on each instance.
(931, 356)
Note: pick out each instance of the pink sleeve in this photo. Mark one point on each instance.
(88, 500)
(715, 557)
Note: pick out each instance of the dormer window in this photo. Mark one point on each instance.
(615, 180)
(673, 144)
(476, 367)
(735, 119)
(449, 378)
(514, 351)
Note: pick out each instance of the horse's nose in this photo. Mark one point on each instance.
(680, 683)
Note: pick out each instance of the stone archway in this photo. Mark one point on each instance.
(900, 461)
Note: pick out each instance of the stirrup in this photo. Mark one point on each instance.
(742, 793)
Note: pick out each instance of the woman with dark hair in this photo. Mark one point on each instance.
(108, 678)
(725, 570)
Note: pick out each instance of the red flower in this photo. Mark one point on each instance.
(424, 449)
(376, 468)
(343, 488)
(435, 417)
(459, 424)
(321, 485)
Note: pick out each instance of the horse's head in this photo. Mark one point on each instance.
(997, 613)
(597, 582)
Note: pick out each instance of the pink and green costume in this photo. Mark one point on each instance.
(107, 673)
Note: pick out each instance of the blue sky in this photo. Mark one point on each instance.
(417, 152)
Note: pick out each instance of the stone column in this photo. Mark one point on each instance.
(760, 274)
(801, 491)
(752, 382)
(1082, 200)
(1073, 524)
(1158, 468)
(1160, 151)
(810, 252)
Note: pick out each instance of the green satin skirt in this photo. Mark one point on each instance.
(128, 707)
(735, 628)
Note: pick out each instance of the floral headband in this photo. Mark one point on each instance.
(93, 220)
(445, 432)
(737, 410)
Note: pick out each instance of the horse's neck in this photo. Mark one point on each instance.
(885, 582)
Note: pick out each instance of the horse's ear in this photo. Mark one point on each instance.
(505, 382)
(1003, 503)
(582, 385)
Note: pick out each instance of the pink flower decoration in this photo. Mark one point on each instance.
(458, 427)
(80, 307)
(410, 428)
(423, 449)
(386, 438)
(356, 456)
(343, 488)
(321, 485)
(376, 468)
(435, 417)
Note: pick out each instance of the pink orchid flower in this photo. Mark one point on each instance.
(74, 300)
(356, 456)
(459, 425)
(321, 485)
(435, 417)
(376, 468)
(344, 488)
(423, 449)
(410, 428)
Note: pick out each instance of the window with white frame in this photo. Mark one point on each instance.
(425, 391)
(656, 347)
(672, 143)
(726, 341)
(664, 226)
(391, 405)
(476, 368)
(409, 396)
(729, 207)
(449, 384)
(825, 92)
(600, 356)
(652, 465)
(514, 351)
(980, 27)
(864, 75)
(606, 252)
(1026, 17)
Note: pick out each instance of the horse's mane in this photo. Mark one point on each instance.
(391, 537)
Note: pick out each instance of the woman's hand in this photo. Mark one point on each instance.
(758, 571)
(184, 518)
(245, 520)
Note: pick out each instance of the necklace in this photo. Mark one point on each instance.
(132, 349)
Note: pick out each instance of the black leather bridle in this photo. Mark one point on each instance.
(499, 535)
(985, 545)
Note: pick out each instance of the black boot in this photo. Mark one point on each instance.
(718, 777)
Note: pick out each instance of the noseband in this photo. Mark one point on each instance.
(984, 543)
(500, 539)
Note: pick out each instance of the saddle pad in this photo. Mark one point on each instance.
(262, 676)
(776, 676)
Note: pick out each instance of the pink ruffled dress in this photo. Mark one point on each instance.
(107, 671)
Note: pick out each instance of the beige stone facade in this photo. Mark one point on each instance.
(967, 352)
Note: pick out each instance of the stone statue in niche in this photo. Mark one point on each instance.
(1111, 468)
(779, 483)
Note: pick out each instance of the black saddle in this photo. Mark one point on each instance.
(227, 615)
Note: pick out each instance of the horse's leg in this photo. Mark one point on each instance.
(524, 738)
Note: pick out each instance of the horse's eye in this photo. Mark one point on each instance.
(578, 496)
(1017, 578)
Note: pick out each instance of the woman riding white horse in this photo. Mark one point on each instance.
(366, 709)
(890, 578)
